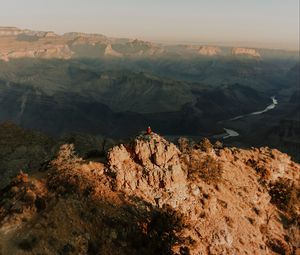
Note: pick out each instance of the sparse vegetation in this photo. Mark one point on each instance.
(207, 168)
(163, 227)
(285, 196)
(218, 145)
(149, 199)
(184, 144)
(205, 145)
(28, 243)
(277, 246)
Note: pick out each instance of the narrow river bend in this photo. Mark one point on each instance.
(231, 133)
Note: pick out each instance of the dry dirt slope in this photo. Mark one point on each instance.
(152, 197)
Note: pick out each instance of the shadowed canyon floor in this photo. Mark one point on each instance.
(68, 107)
(114, 87)
(151, 197)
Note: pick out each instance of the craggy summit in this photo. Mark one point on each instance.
(152, 197)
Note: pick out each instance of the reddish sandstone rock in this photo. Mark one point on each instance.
(151, 198)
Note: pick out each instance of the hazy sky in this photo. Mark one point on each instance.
(267, 23)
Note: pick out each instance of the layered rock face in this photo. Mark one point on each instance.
(14, 31)
(151, 197)
(209, 51)
(9, 31)
(23, 43)
(45, 51)
(83, 45)
(17, 43)
(246, 52)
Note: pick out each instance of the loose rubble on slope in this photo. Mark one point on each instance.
(152, 197)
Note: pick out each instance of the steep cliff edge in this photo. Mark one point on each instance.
(152, 197)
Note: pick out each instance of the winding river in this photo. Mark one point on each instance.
(231, 133)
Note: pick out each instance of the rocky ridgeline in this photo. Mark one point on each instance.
(14, 31)
(9, 31)
(47, 51)
(24, 43)
(31, 150)
(152, 197)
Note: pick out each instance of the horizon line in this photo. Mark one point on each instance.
(220, 43)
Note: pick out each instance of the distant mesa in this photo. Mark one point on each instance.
(25, 43)
(10, 31)
(245, 52)
(14, 31)
(50, 34)
(141, 48)
(47, 51)
(60, 51)
(209, 50)
(140, 43)
(84, 38)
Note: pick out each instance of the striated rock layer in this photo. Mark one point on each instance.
(151, 197)
(246, 52)
(209, 50)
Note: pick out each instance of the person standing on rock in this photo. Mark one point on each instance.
(148, 131)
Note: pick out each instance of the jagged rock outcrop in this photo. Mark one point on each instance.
(109, 51)
(149, 167)
(246, 52)
(152, 198)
